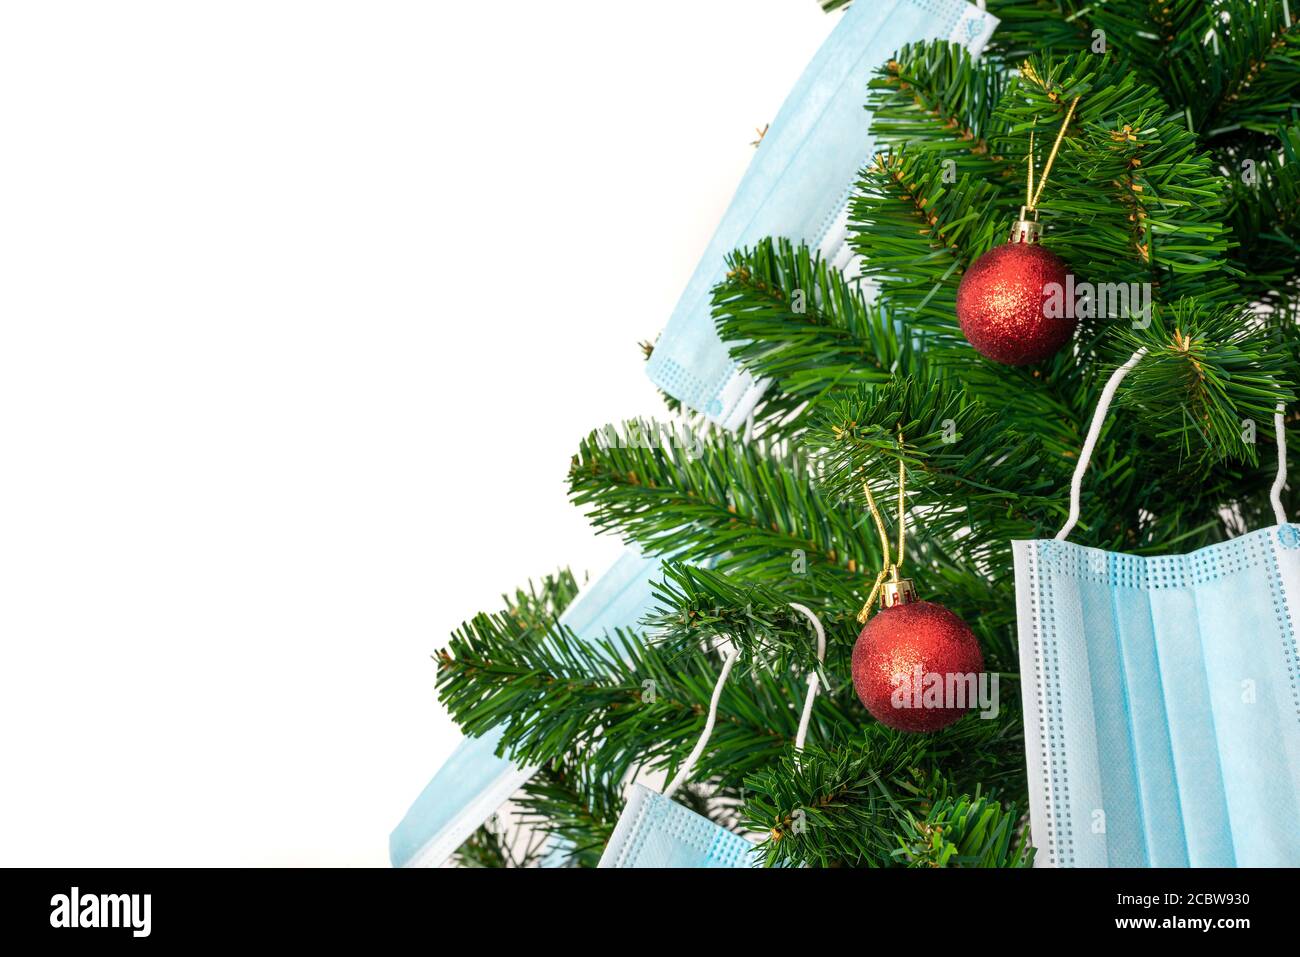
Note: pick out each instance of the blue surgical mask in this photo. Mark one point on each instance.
(473, 783)
(798, 186)
(656, 831)
(1162, 696)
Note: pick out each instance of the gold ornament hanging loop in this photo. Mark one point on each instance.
(1034, 194)
(1026, 228)
(902, 505)
(889, 568)
(1029, 187)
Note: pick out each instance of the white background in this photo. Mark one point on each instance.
(305, 307)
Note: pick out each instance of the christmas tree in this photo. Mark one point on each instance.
(1178, 171)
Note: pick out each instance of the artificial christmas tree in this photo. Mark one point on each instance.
(1175, 206)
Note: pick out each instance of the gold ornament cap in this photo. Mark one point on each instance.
(1026, 230)
(898, 591)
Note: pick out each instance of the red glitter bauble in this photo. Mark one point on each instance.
(896, 652)
(1000, 304)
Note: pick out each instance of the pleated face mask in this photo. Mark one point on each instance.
(1162, 695)
(656, 831)
(798, 186)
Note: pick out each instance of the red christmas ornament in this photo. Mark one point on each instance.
(1001, 300)
(899, 651)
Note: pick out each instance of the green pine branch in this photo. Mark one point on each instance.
(573, 808)
(1131, 196)
(918, 225)
(616, 704)
(699, 605)
(752, 510)
(1206, 373)
(1264, 211)
(938, 95)
(1026, 27)
(1238, 67)
(959, 455)
(790, 318)
(1140, 34)
(848, 805)
(966, 831)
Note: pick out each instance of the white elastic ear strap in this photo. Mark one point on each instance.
(813, 680)
(1099, 416)
(729, 661)
(1279, 483)
(1094, 430)
(684, 772)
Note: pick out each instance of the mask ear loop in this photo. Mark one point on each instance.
(729, 661)
(813, 680)
(1279, 483)
(1090, 443)
(1094, 430)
